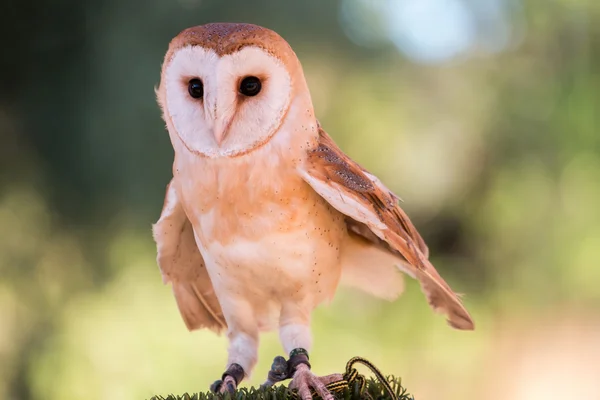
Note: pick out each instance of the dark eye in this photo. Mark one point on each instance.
(250, 86)
(196, 88)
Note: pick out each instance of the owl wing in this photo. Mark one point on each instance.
(372, 211)
(182, 264)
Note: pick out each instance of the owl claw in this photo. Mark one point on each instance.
(304, 379)
(229, 380)
(230, 385)
(279, 372)
(223, 386)
(280, 367)
(216, 386)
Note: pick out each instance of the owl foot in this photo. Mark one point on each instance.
(298, 368)
(279, 372)
(304, 380)
(283, 369)
(229, 381)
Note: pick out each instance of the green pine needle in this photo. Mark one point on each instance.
(281, 392)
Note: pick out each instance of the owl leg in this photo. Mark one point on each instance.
(295, 335)
(243, 350)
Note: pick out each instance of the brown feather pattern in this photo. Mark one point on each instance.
(330, 165)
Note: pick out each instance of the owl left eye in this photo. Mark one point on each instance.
(250, 86)
(196, 88)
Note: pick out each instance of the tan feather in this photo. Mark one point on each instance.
(370, 268)
(374, 213)
(182, 264)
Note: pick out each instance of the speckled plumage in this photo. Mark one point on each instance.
(265, 215)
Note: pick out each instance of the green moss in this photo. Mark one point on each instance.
(280, 392)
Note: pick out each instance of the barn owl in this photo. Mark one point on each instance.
(265, 216)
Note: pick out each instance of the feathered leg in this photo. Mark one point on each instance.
(243, 347)
(296, 338)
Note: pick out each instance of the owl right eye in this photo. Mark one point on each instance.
(196, 88)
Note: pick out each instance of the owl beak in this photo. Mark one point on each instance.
(221, 129)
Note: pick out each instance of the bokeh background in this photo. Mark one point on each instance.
(481, 114)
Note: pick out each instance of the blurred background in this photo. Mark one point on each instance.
(481, 114)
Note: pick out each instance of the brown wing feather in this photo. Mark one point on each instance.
(182, 264)
(373, 212)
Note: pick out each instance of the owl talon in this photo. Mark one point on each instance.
(230, 386)
(304, 380)
(229, 380)
(216, 386)
(223, 386)
(280, 367)
(279, 372)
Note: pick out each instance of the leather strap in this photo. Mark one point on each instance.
(297, 356)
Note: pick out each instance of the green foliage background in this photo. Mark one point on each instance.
(496, 154)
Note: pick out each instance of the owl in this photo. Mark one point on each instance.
(265, 216)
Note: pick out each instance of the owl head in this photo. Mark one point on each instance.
(226, 88)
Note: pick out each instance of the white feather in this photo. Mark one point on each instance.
(255, 119)
(342, 202)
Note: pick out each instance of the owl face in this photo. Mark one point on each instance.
(224, 95)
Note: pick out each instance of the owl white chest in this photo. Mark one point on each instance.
(267, 238)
